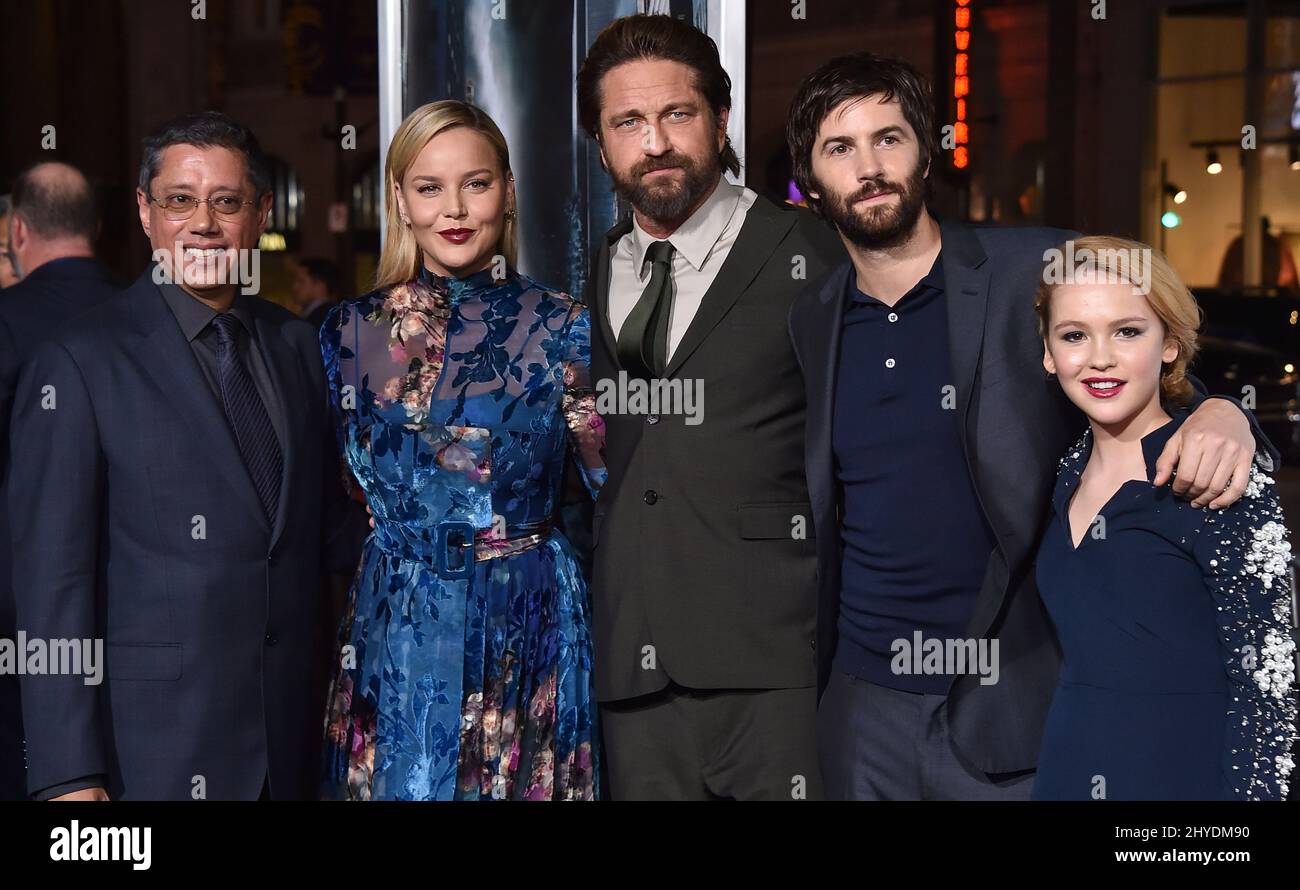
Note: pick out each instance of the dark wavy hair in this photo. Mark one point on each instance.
(845, 78)
(651, 37)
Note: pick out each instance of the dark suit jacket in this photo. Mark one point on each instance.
(140, 526)
(695, 554)
(1015, 426)
(31, 311)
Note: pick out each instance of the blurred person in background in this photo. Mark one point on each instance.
(1277, 267)
(49, 230)
(315, 288)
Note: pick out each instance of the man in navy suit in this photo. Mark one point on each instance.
(50, 236)
(178, 484)
(931, 446)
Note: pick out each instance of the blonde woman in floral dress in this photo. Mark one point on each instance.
(460, 387)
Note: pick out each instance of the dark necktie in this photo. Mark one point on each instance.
(247, 415)
(643, 340)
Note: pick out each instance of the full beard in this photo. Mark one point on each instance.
(668, 202)
(878, 228)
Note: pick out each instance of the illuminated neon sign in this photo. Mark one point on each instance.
(961, 84)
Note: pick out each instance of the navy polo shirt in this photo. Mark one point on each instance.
(916, 543)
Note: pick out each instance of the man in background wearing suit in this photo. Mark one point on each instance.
(50, 233)
(315, 289)
(178, 481)
(932, 445)
(704, 588)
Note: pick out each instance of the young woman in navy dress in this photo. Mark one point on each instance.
(1175, 621)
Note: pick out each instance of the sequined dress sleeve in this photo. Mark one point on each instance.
(1245, 556)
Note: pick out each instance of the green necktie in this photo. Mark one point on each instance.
(643, 340)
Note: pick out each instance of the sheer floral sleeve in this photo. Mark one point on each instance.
(586, 427)
(1244, 553)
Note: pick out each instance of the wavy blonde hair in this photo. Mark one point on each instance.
(1172, 302)
(400, 260)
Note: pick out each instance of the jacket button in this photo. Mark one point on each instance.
(814, 644)
(272, 639)
(652, 419)
(651, 496)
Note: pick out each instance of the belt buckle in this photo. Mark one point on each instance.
(441, 543)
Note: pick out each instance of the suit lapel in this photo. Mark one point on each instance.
(966, 277)
(167, 357)
(278, 356)
(599, 287)
(765, 226)
(827, 327)
(966, 281)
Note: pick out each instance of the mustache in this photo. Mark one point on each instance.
(873, 188)
(664, 162)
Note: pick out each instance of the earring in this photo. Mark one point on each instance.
(510, 215)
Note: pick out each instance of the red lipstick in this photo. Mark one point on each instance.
(457, 236)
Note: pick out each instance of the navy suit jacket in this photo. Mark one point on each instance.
(139, 525)
(31, 311)
(1015, 426)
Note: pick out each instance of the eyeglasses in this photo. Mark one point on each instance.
(182, 206)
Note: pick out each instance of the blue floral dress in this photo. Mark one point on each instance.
(465, 652)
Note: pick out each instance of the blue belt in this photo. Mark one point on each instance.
(452, 540)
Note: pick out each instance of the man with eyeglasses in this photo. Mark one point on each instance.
(48, 237)
(179, 487)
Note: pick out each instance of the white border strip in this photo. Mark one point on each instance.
(727, 25)
(390, 88)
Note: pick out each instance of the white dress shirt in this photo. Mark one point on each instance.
(701, 245)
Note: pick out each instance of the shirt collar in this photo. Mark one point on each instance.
(695, 238)
(1077, 458)
(194, 316)
(314, 305)
(472, 285)
(932, 280)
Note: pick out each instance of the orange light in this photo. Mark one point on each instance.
(961, 84)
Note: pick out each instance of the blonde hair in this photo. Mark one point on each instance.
(1106, 260)
(400, 260)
